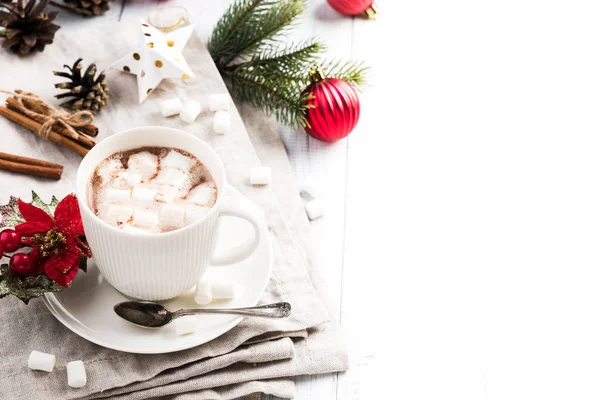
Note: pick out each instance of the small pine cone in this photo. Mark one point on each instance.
(28, 28)
(88, 92)
(88, 7)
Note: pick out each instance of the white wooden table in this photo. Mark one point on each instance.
(460, 242)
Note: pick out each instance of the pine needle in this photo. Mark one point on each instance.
(248, 24)
(351, 71)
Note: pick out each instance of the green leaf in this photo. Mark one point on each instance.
(25, 287)
(48, 207)
(10, 213)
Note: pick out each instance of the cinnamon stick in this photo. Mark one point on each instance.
(88, 129)
(26, 160)
(12, 104)
(35, 126)
(30, 166)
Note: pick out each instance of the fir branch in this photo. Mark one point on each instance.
(292, 62)
(281, 97)
(248, 25)
(351, 71)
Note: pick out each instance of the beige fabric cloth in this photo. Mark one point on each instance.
(227, 365)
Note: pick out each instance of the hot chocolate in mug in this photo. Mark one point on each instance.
(159, 266)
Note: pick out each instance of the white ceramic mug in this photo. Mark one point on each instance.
(162, 265)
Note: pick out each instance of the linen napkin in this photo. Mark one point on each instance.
(32, 327)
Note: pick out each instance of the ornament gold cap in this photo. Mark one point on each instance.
(371, 12)
(316, 73)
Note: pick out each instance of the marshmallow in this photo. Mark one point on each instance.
(203, 195)
(260, 175)
(172, 216)
(143, 195)
(130, 178)
(222, 122)
(190, 111)
(172, 177)
(177, 160)
(223, 290)
(143, 163)
(311, 187)
(132, 229)
(76, 376)
(185, 325)
(315, 208)
(171, 107)
(108, 169)
(117, 195)
(41, 361)
(145, 219)
(195, 213)
(218, 102)
(167, 194)
(203, 293)
(116, 213)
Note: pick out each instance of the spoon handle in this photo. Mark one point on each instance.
(275, 310)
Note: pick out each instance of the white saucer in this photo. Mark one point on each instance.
(86, 307)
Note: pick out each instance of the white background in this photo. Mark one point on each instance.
(461, 236)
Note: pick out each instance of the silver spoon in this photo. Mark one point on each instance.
(154, 315)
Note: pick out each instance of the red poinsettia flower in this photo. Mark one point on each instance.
(56, 241)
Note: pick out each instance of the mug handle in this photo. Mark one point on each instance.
(240, 252)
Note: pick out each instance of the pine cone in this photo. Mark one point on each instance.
(89, 93)
(88, 7)
(28, 28)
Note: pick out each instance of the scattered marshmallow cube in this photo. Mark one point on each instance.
(144, 195)
(190, 111)
(76, 376)
(175, 159)
(41, 361)
(315, 208)
(145, 219)
(172, 216)
(195, 213)
(223, 290)
(185, 325)
(311, 187)
(173, 177)
(222, 122)
(116, 213)
(203, 293)
(260, 175)
(218, 102)
(143, 163)
(202, 194)
(132, 229)
(117, 195)
(171, 107)
(167, 194)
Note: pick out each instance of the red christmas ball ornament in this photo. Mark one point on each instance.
(335, 107)
(354, 7)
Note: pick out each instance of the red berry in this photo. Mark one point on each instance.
(10, 240)
(21, 263)
(1, 250)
